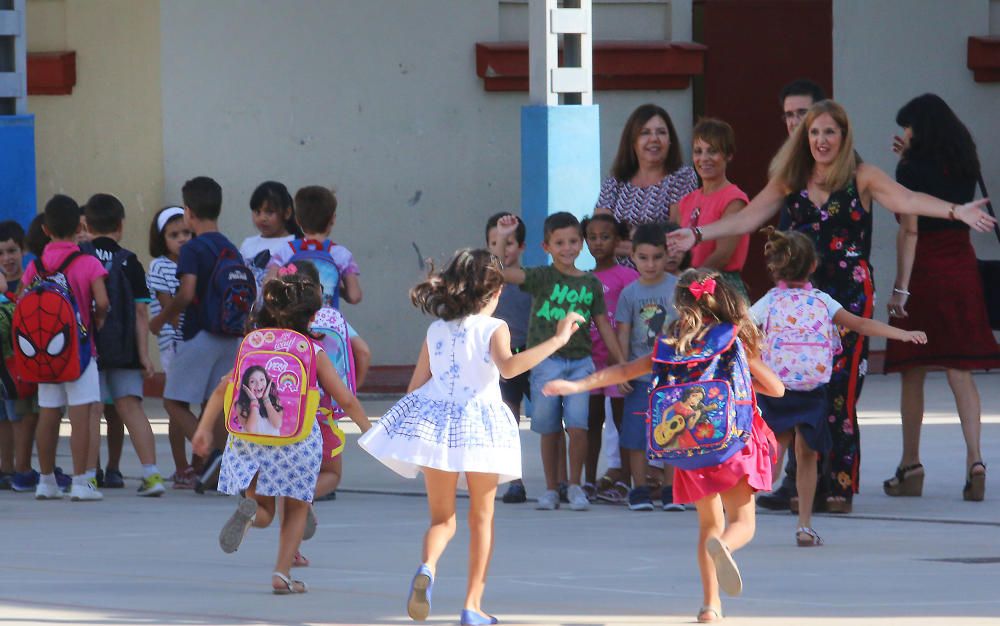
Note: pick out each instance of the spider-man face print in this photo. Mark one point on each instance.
(46, 333)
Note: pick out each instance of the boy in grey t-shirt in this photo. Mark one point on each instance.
(645, 307)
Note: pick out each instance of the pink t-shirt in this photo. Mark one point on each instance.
(700, 209)
(614, 280)
(80, 274)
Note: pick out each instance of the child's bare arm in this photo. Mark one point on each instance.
(513, 275)
(613, 375)
(875, 328)
(352, 289)
(624, 339)
(511, 365)
(100, 294)
(765, 381)
(422, 372)
(202, 440)
(610, 339)
(362, 359)
(331, 383)
(184, 296)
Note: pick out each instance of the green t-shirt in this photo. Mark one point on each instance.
(553, 294)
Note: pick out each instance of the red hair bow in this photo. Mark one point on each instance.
(699, 289)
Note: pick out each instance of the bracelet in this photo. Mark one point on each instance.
(951, 212)
(901, 292)
(698, 236)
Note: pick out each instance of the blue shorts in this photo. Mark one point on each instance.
(550, 413)
(633, 434)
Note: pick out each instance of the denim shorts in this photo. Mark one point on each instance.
(120, 383)
(633, 434)
(199, 364)
(550, 413)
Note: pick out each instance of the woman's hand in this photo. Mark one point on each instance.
(915, 336)
(972, 214)
(560, 388)
(680, 240)
(897, 304)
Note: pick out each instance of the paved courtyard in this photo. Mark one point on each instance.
(932, 560)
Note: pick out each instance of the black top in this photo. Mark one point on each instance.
(926, 177)
(105, 248)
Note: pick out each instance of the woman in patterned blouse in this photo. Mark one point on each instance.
(647, 175)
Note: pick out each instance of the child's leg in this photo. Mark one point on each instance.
(482, 493)
(741, 515)
(178, 448)
(181, 416)
(618, 414)
(577, 453)
(265, 506)
(710, 524)
(47, 438)
(552, 459)
(441, 505)
(638, 466)
(24, 439)
(805, 479)
(329, 475)
(6, 446)
(561, 472)
(115, 434)
(293, 523)
(131, 414)
(785, 440)
(94, 412)
(595, 426)
(81, 420)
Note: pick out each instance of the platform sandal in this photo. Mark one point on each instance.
(806, 537)
(975, 484)
(908, 481)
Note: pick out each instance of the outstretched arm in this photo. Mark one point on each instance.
(608, 376)
(875, 328)
(330, 381)
(762, 208)
(899, 199)
(765, 381)
(511, 365)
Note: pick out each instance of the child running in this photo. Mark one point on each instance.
(261, 474)
(453, 424)
(709, 310)
(602, 233)
(801, 354)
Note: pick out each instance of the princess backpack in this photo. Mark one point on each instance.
(701, 406)
(801, 339)
(274, 380)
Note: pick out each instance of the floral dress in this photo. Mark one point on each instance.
(841, 229)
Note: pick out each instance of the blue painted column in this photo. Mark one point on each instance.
(18, 196)
(560, 170)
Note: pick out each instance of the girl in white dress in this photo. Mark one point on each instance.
(453, 425)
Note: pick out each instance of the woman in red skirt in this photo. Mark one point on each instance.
(938, 289)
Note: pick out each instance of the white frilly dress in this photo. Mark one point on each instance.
(457, 421)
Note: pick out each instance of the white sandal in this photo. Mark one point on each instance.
(291, 586)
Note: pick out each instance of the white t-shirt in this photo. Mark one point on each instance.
(762, 307)
(252, 246)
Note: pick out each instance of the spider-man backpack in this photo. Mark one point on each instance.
(51, 344)
(13, 385)
(318, 253)
(274, 376)
(701, 409)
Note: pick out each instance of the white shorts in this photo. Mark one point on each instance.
(83, 390)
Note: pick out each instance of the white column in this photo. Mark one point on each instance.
(13, 79)
(548, 80)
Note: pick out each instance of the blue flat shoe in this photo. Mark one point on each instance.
(418, 606)
(472, 618)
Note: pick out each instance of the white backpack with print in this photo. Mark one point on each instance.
(800, 338)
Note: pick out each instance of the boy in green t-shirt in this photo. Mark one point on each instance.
(555, 290)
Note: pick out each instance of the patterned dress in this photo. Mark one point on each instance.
(457, 421)
(643, 205)
(841, 229)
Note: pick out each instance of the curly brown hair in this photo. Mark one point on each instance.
(695, 316)
(289, 302)
(462, 288)
(790, 255)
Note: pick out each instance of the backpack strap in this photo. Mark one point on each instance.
(72, 256)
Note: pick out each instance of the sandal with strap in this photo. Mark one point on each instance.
(708, 615)
(806, 537)
(291, 586)
(300, 560)
(908, 482)
(975, 485)
(617, 494)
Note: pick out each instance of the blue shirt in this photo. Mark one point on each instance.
(198, 258)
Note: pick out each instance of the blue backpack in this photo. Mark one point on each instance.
(116, 341)
(701, 406)
(318, 253)
(230, 294)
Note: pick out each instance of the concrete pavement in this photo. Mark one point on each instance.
(127, 560)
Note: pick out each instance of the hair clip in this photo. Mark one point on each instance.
(288, 270)
(698, 289)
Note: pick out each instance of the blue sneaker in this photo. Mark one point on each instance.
(113, 479)
(418, 606)
(472, 618)
(639, 499)
(24, 481)
(63, 480)
(667, 499)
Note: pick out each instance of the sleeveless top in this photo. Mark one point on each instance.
(841, 228)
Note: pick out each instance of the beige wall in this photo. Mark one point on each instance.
(107, 135)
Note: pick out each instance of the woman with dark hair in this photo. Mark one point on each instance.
(938, 288)
(648, 174)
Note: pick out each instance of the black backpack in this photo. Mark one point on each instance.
(116, 342)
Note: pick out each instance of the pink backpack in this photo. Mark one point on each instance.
(273, 396)
(800, 338)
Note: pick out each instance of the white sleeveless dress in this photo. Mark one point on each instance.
(457, 421)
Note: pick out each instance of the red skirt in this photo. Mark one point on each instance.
(946, 302)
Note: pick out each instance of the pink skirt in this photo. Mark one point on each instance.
(753, 461)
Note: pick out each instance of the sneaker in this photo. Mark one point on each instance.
(515, 494)
(616, 494)
(236, 527)
(548, 501)
(6, 481)
(210, 476)
(185, 479)
(667, 499)
(24, 481)
(639, 499)
(85, 492)
(777, 500)
(99, 475)
(591, 490)
(63, 480)
(577, 498)
(113, 479)
(152, 486)
(564, 492)
(48, 491)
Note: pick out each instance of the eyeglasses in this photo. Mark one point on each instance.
(797, 114)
